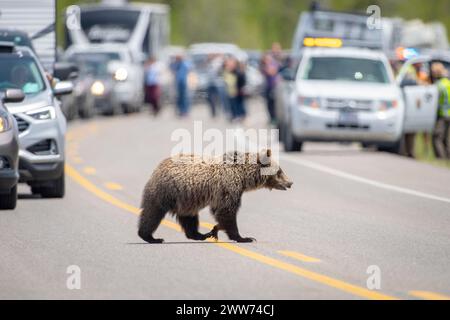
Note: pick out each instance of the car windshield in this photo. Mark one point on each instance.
(18, 72)
(91, 64)
(346, 69)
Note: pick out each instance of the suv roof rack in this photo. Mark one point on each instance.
(7, 47)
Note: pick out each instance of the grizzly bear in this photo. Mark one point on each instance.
(185, 184)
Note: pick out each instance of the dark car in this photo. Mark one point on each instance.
(9, 150)
(94, 89)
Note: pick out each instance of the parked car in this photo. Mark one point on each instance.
(341, 95)
(93, 88)
(41, 124)
(9, 150)
(127, 76)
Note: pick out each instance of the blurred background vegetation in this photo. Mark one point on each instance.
(255, 24)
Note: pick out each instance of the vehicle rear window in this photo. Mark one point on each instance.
(346, 69)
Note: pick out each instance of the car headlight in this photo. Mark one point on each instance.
(309, 102)
(98, 88)
(45, 113)
(4, 123)
(121, 74)
(387, 105)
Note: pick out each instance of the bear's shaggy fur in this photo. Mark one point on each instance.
(185, 184)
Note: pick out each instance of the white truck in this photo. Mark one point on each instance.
(37, 19)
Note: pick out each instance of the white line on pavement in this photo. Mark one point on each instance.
(359, 179)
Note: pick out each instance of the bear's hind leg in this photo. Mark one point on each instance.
(190, 227)
(149, 221)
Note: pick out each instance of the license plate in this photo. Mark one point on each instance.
(348, 118)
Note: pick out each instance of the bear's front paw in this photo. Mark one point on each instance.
(154, 241)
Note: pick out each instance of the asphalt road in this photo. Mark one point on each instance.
(349, 209)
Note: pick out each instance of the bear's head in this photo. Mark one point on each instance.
(275, 177)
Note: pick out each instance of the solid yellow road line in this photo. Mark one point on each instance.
(89, 170)
(77, 160)
(325, 280)
(298, 256)
(113, 186)
(427, 295)
(89, 186)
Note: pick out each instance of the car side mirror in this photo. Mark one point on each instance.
(288, 74)
(62, 88)
(13, 96)
(406, 82)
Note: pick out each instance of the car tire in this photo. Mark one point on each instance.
(8, 201)
(291, 144)
(395, 148)
(56, 188)
(281, 133)
(127, 109)
(86, 112)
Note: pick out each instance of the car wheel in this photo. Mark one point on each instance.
(55, 189)
(395, 147)
(8, 201)
(86, 112)
(127, 108)
(281, 132)
(291, 144)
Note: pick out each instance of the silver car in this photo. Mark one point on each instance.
(9, 150)
(41, 124)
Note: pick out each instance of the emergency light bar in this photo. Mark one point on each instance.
(322, 42)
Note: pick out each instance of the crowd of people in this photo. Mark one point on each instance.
(226, 89)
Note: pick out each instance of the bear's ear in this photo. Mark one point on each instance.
(264, 157)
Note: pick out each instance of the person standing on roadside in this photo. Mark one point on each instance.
(270, 69)
(152, 86)
(441, 133)
(212, 91)
(230, 78)
(181, 71)
(241, 82)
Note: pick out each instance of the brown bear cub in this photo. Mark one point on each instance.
(185, 184)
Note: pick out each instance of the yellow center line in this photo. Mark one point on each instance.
(113, 186)
(304, 273)
(89, 170)
(427, 295)
(77, 160)
(299, 256)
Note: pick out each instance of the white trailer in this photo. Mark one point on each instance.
(144, 28)
(37, 19)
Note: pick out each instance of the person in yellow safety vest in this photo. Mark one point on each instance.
(441, 143)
